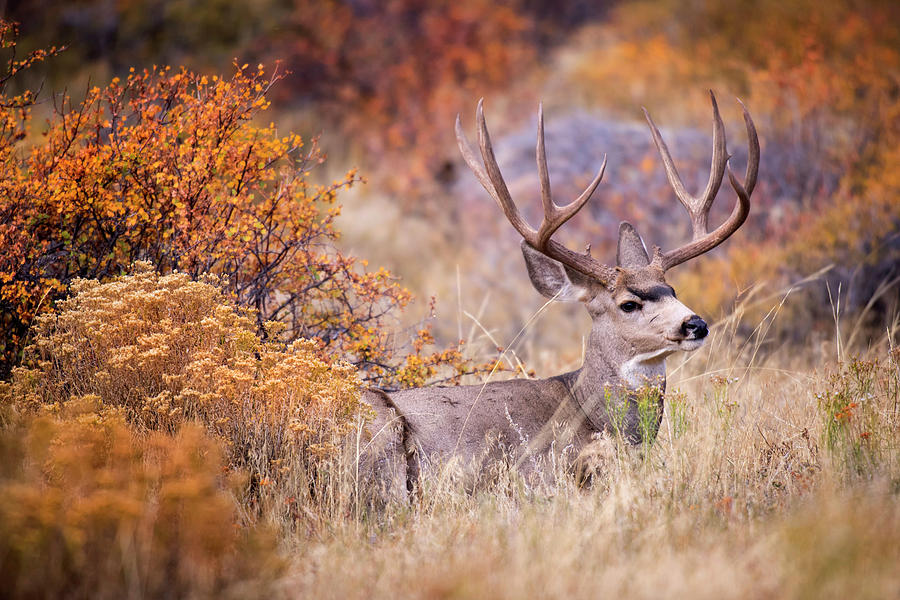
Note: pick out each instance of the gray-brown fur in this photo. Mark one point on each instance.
(636, 323)
(394, 439)
(520, 418)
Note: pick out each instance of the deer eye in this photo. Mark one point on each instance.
(630, 306)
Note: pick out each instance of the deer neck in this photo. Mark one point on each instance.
(611, 368)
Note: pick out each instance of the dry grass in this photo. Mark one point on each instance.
(775, 474)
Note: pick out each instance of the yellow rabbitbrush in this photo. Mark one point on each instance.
(92, 509)
(168, 350)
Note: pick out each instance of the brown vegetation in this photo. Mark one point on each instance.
(166, 166)
(164, 436)
(92, 509)
(167, 350)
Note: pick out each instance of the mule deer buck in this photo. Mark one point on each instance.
(637, 323)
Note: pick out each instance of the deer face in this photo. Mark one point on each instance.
(638, 311)
(643, 309)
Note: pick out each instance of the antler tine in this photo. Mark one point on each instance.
(697, 206)
(490, 177)
(555, 215)
(468, 154)
(543, 171)
(741, 208)
(752, 153)
(501, 192)
(500, 195)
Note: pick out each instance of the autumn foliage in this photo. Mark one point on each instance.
(166, 350)
(384, 74)
(820, 79)
(184, 344)
(393, 74)
(92, 510)
(168, 166)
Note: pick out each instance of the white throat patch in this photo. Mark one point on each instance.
(643, 369)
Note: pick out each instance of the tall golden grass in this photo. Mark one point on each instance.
(776, 472)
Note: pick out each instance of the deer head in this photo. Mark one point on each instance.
(636, 316)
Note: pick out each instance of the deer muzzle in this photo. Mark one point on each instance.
(694, 328)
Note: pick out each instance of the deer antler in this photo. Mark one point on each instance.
(698, 207)
(554, 215)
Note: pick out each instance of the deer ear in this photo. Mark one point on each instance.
(553, 279)
(632, 253)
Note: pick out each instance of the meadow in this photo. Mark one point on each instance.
(771, 477)
(774, 474)
(193, 299)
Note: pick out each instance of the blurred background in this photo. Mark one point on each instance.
(381, 82)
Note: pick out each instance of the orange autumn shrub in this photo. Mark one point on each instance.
(166, 351)
(387, 76)
(168, 166)
(392, 75)
(90, 509)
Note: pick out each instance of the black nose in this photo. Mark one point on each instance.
(694, 328)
